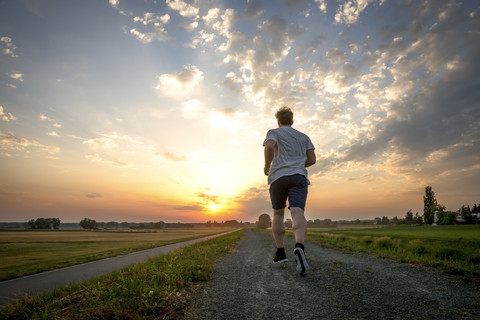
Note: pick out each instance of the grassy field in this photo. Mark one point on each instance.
(156, 289)
(454, 249)
(29, 252)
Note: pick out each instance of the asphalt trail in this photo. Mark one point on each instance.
(247, 285)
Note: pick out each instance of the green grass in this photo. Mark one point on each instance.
(454, 249)
(28, 252)
(156, 289)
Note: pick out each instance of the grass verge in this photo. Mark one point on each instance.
(156, 289)
(453, 249)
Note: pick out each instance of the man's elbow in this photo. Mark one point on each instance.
(310, 162)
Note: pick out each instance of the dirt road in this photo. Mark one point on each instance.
(247, 285)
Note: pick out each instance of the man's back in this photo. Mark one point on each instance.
(290, 154)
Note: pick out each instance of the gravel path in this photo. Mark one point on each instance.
(247, 285)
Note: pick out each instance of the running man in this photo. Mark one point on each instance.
(287, 153)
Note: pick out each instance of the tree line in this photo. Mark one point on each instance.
(433, 212)
(91, 224)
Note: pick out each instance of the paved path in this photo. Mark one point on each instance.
(247, 285)
(49, 280)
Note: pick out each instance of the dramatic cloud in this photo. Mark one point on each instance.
(388, 91)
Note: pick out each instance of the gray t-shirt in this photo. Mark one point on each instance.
(290, 153)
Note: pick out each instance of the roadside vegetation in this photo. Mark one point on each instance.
(156, 289)
(454, 249)
(32, 251)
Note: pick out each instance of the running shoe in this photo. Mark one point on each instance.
(302, 264)
(280, 256)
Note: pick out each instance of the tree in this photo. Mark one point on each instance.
(88, 224)
(264, 221)
(31, 224)
(429, 205)
(467, 215)
(44, 223)
(385, 220)
(417, 219)
(409, 217)
(444, 218)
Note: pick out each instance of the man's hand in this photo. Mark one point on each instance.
(266, 170)
(311, 158)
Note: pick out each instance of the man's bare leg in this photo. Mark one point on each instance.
(299, 224)
(300, 230)
(278, 227)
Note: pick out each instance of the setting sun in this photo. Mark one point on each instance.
(214, 207)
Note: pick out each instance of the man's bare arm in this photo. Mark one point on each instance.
(269, 154)
(311, 158)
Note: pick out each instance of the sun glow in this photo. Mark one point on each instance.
(214, 207)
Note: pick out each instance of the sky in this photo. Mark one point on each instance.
(156, 110)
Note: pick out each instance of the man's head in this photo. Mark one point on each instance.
(284, 116)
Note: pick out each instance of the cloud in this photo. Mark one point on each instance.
(154, 24)
(226, 22)
(151, 18)
(115, 4)
(336, 56)
(9, 47)
(322, 5)
(10, 142)
(53, 121)
(93, 195)
(104, 142)
(193, 207)
(350, 11)
(211, 17)
(158, 33)
(183, 8)
(172, 157)
(7, 117)
(52, 134)
(107, 160)
(17, 76)
(232, 82)
(254, 9)
(179, 85)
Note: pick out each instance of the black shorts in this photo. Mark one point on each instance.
(294, 187)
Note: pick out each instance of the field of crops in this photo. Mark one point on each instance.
(455, 249)
(29, 252)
